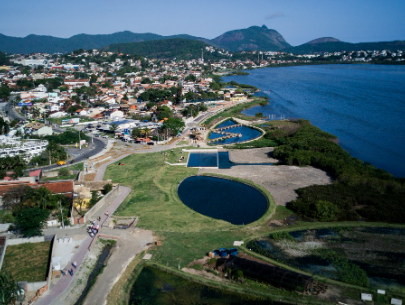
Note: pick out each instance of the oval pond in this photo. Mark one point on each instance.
(224, 199)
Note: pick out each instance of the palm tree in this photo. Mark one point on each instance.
(113, 127)
(146, 131)
(43, 198)
(36, 112)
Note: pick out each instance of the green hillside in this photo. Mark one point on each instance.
(309, 48)
(253, 38)
(50, 44)
(168, 48)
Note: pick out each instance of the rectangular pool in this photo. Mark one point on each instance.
(203, 159)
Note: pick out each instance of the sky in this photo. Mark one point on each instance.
(298, 21)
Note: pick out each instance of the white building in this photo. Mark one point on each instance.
(27, 149)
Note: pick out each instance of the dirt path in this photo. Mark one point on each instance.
(129, 244)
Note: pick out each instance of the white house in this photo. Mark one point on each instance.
(58, 114)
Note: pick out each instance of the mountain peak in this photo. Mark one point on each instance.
(323, 40)
(264, 27)
(252, 38)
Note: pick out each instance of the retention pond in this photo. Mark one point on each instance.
(232, 201)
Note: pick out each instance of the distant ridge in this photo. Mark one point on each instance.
(323, 40)
(252, 38)
(329, 44)
(49, 44)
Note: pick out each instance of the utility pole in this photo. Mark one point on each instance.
(61, 213)
(80, 143)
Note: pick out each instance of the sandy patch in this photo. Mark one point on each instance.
(281, 180)
(255, 155)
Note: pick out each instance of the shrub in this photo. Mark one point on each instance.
(63, 172)
(107, 188)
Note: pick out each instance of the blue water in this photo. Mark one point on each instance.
(203, 159)
(224, 199)
(213, 159)
(247, 134)
(363, 105)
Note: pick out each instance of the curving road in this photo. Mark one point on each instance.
(99, 144)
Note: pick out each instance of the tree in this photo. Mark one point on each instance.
(190, 78)
(324, 210)
(146, 80)
(9, 288)
(113, 127)
(36, 112)
(14, 196)
(107, 188)
(43, 198)
(175, 125)
(4, 127)
(94, 198)
(146, 131)
(136, 132)
(31, 221)
(4, 91)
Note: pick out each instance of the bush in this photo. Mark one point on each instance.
(107, 188)
(63, 172)
(282, 236)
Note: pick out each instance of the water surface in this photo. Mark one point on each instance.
(224, 199)
(363, 105)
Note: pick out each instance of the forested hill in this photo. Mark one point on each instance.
(50, 44)
(252, 38)
(337, 46)
(169, 48)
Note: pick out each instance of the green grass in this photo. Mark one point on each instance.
(59, 178)
(74, 167)
(28, 262)
(186, 234)
(281, 213)
(180, 249)
(154, 194)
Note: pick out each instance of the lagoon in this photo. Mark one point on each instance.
(363, 105)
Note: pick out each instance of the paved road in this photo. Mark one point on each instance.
(52, 296)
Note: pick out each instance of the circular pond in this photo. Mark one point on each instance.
(224, 199)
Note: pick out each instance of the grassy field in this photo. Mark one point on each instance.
(28, 262)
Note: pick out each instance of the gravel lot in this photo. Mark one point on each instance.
(281, 180)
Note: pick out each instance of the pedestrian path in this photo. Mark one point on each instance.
(79, 256)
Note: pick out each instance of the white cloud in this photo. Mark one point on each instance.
(274, 15)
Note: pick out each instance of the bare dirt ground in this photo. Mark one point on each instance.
(281, 180)
(256, 155)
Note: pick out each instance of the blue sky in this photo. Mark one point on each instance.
(298, 21)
